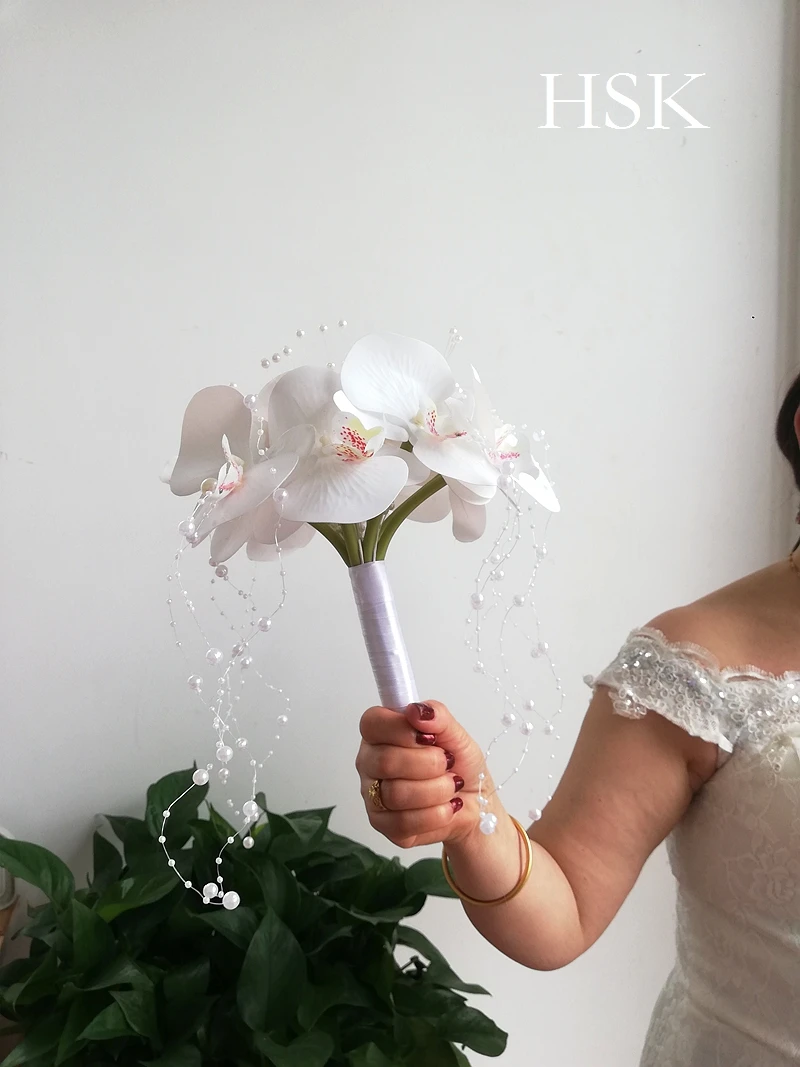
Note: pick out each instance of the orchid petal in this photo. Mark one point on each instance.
(456, 457)
(434, 509)
(389, 374)
(303, 395)
(417, 472)
(228, 538)
(391, 430)
(211, 414)
(268, 553)
(539, 488)
(270, 526)
(472, 494)
(257, 484)
(327, 489)
(469, 520)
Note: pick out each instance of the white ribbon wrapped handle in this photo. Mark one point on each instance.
(383, 637)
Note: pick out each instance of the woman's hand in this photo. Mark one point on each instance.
(428, 767)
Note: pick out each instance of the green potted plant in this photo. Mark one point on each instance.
(134, 969)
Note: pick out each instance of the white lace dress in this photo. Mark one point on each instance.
(733, 998)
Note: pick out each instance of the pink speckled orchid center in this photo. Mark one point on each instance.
(351, 441)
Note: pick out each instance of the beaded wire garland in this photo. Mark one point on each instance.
(527, 690)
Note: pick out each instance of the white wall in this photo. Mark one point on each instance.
(185, 182)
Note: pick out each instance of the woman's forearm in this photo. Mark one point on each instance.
(540, 928)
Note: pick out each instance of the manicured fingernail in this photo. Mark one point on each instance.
(458, 781)
(426, 739)
(424, 711)
(451, 760)
(456, 803)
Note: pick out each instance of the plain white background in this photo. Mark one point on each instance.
(185, 182)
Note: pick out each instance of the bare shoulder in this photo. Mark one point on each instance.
(753, 621)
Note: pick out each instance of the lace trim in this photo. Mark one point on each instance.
(684, 683)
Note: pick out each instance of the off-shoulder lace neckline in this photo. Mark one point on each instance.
(746, 672)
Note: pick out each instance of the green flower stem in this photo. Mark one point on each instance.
(352, 544)
(370, 542)
(331, 534)
(400, 514)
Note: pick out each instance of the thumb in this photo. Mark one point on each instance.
(432, 717)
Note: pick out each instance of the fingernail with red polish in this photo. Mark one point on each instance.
(458, 781)
(456, 803)
(426, 739)
(424, 711)
(451, 760)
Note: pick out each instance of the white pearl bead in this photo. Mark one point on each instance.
(488, 823)
(210, 890)
(264, 624)
(200, 776)
(529, 705)
(496, 557)
(276, 357)
(479, 668)
(230, 900)
(483, 801)
(224, 753)
(248, 842)
(214, 656)
(280, 494)
(237, 650)
(241, 742)
(245, 662)
(195, 682)
(166, 813)
(251, 401)
(250, 807)
(505, 481)
(548, 728)
(208, 485)
(342, 322)
(231, 840)
(283, 719)
(286, 350)
(223, 774)
(535, 814)
(170, 863)
(187, 885)
(519, 600)
(221, 571)
(187, 527)
(526, 729)
(509, 718)
(322, 328)
(476, 600)
(497, 576)
(265, 362)
(300, 333)
(162, 840)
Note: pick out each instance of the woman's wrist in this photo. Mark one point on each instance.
(487, 866)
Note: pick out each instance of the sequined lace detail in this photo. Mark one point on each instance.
(684, 683)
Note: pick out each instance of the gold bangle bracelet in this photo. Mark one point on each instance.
(526, 873)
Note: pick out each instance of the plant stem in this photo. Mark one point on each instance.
(370, 542)
(331, 534)
(400, 514)
(352, 543)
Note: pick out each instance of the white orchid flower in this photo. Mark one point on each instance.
(409, 385)
(216, 457)
(341, 477)
(506, 445)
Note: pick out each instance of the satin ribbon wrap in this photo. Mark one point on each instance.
(383, 637)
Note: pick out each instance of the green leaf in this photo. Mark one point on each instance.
(237, 926)
(110, 1023)
(309, 1050)
(439, 971)
(371, 1056)
(40, 868)
(471, 1027)
(121, 971)
(427, 876)
(40, 1041)
(107, 863)
(81, 1012)
(42, 982)
(162, 795)
(273, 975)
(182, 1056)
(139, 1008)
(340, 987)
(280, 889)
(42, 922)
(188, 981)
(92, 939)
(137, 843)
(135, 892)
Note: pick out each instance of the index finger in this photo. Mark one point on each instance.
(381, 726)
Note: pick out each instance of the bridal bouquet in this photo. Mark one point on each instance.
(348, 454)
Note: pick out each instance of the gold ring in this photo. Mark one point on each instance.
(374, 794)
